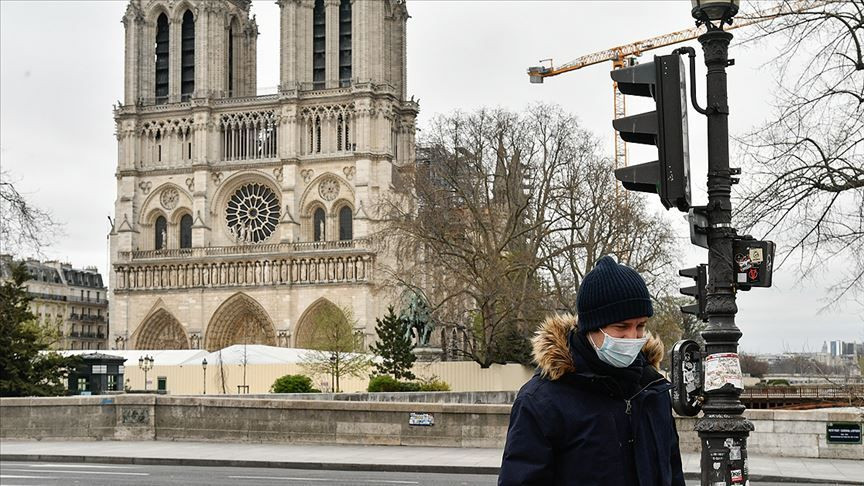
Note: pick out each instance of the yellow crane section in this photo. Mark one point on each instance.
(623, 54)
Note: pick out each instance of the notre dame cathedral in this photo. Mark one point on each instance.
(241, 217)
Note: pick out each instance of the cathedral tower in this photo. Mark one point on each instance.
(240, 218)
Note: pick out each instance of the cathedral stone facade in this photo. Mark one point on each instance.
(240, 217)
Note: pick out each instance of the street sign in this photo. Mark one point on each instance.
(698, 221)
(421, 419)
(843, 433)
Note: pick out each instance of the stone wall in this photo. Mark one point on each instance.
(234, 419)
(143, 417)
(788, 433)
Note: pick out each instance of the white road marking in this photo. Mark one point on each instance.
(90, 466)
(11, 476)
(80, 472)
(281, 478)
(327, 480)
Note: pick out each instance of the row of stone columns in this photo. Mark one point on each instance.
(259, 272)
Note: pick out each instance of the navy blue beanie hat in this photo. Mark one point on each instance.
(611, 293)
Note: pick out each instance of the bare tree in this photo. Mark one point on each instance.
(600, 220)
(24, 228)
(754, 366)
(805, 165)
(222, 377)
(505, 213)
(337, 349)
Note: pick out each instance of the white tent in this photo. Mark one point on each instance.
(161, 357)
(236, 354)
(253, 354)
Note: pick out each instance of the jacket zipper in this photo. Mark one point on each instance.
(627, 401)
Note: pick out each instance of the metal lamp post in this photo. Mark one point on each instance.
(722, 429)
(204, 367)
(146, 364)
(334, 373)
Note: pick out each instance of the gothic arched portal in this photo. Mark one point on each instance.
(161, 331)
(314, 319)
(239, 320)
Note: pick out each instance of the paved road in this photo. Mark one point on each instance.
(35, 473)
(32, 473)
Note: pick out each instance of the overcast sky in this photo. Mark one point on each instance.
(62, 69)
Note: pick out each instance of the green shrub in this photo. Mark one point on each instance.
(293, 384)
(434, 384)
(386, 383)
(779, 382)
(383, 383)
(409, 386)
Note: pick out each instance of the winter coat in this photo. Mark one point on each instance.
(581, 422)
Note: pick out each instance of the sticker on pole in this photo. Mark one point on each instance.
(722, 369)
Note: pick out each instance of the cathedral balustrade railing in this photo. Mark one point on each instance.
(325, 93)
(150, 106)
(243, 100)
(363, 243)
(250, 249)
(335, 269)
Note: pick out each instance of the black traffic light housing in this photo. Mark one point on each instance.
(666, 127)
(700, 275)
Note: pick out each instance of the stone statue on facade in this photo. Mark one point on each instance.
(321, 230)
(164, 241)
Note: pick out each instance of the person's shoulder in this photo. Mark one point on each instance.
(541, 390)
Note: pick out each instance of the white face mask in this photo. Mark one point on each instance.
(619, 352)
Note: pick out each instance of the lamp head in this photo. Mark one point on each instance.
(709, 11)
(204, 362)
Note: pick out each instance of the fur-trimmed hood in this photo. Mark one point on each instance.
(552, 348)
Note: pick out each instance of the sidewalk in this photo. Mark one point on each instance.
(371, 458)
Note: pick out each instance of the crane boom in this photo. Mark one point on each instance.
(617, 54)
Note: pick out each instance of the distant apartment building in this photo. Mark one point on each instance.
(837, 349)
(73, 300)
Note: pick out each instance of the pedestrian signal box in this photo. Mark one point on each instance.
(753, 263)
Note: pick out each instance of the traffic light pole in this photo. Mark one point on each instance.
(722, 429)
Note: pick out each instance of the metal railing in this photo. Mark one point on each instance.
(804, 392)
(43, 296)
(87, 300)
(85, 317)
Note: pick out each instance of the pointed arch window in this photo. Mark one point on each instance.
(186, 231)
(187, 56)
(317, 134)
(346, 223)
(160, 230)
(162, 59)
(340, 123)
(318, 221)
(319, 45)
(232, 76)
(345, 43)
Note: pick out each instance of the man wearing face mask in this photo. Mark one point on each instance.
(597, 412)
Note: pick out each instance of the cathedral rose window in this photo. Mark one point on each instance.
(252, 213)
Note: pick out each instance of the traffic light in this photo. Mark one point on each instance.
(700, 275)
(666, 127)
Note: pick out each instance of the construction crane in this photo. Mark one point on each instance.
(624, 55)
